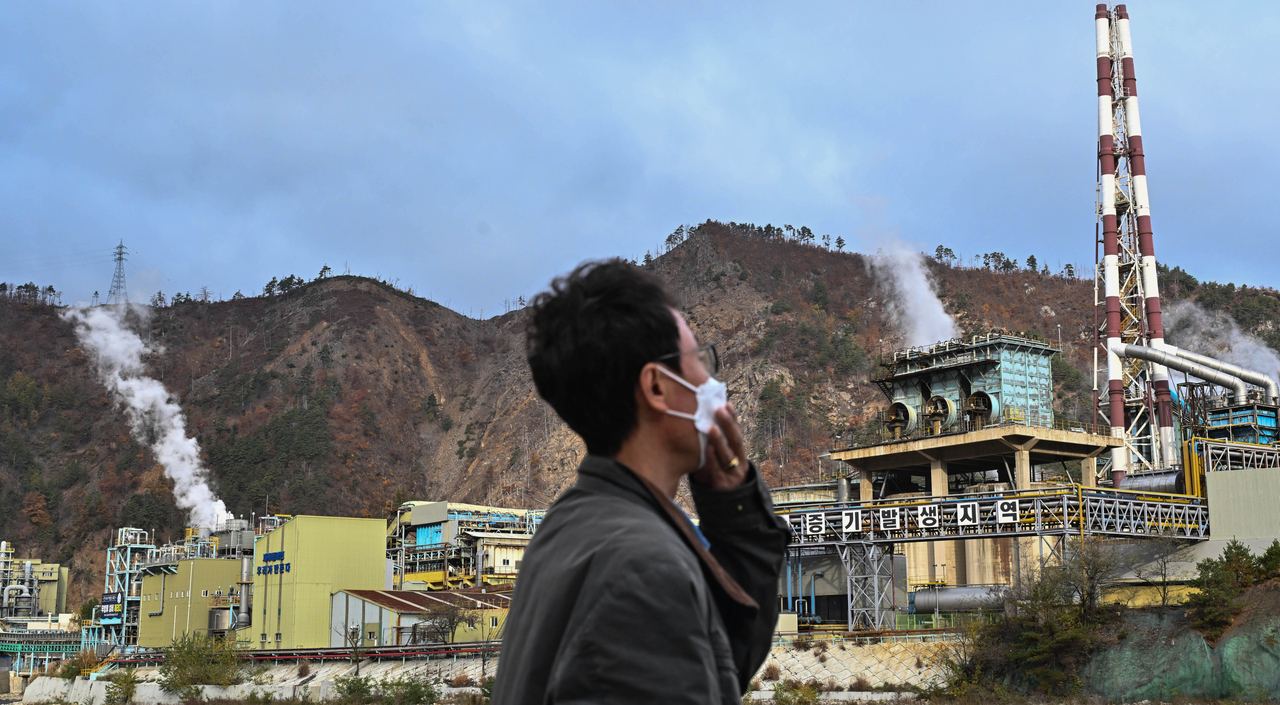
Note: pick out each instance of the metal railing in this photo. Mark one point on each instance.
(788, 639)
(1009, 416)
(1054, 511)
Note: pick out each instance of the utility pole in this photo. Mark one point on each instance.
(118, 294)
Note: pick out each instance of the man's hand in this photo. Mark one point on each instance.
(726, 466)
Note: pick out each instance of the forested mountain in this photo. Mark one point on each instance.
(345, 395)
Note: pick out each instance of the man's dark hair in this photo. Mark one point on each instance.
(587, 339)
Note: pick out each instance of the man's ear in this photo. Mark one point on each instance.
(652, 391)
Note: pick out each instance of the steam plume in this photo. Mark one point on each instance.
(154, 415)
(915, 306)
(1215, 334)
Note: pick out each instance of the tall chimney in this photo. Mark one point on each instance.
(1146, 247)
(1110, 240)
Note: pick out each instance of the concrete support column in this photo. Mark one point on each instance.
(938, 478)
(1089, 472)
(946, 558)
(865, 490)
(1022, 470)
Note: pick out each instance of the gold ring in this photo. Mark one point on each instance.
(733, 463)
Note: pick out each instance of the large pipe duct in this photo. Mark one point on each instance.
(1146, 246)
(1165, 481)
(1250, 376)
(1222, 379)
(23, 588)
(957, 599)
(1110, 236)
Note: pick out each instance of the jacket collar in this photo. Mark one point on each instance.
(600, 474)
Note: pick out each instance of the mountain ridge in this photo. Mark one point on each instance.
(347, 395)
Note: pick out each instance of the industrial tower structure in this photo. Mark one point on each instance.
(118, 293)
(1137, 405)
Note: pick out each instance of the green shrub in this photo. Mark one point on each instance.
(123, 685)
(1219, 582)
(198, 659)
(354, 689)
(409, 691)
(793, 693)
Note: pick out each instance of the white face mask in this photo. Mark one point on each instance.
(712, 396)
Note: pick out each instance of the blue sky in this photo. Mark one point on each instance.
(474, 150)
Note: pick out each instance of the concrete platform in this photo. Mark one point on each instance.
(977, 451)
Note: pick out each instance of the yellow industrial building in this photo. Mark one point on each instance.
(299, 565)
(184, 597)
(47, 580)
(53, 585)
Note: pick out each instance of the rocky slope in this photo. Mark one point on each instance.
(347, 396)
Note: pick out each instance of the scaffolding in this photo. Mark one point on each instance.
(122, 592)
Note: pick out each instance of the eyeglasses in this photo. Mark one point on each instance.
(707, 357)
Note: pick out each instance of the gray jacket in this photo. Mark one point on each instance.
(615, 603)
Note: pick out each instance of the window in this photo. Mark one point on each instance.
(373, 635)
(204, 593)
(493, 622)
(506, 561)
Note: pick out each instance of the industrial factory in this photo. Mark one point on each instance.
(951, 508)
(975, 484)
(278, 582)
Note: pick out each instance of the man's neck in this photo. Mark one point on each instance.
(652, 461)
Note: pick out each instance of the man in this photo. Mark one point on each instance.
(621, 599)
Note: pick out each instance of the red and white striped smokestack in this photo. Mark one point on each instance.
(1110, 240)
(1146, 246)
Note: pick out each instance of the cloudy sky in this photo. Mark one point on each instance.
(473, 150)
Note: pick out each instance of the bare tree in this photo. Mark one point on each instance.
(443, 620)
(353, 640)
(1089, 562)
(1156, 561)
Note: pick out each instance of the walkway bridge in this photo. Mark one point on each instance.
(863, 533)
(1058, 511)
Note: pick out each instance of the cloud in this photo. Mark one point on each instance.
(232, 142)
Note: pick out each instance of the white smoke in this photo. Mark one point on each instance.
(155, 417)
(1215, 334)
(915, 307)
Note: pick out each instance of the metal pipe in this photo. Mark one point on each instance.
(162, 588)
(23, 588)
(1110, 235)
(1222, 379)
(1250, 376)
(243, 614)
